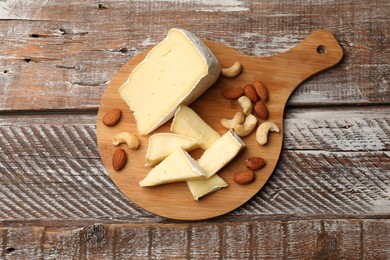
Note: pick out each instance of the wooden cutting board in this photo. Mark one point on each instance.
(281, 74)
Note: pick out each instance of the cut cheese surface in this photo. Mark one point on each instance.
(161, 145)
(220, 153)
(177, 167)
(176, 71)
(213, 159)
(200, 188)
(187, 122)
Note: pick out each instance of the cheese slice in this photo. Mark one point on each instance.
(176, 71)
(213, 159)
(177, 167)
(200, 188)
(187, 122)
(220, 153)
(161, 145)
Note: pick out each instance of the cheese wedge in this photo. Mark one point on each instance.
(161, 145)
(177, 167)
(220, 153)
(187, 122)
(176, 71)
(200, 188)
(213, 159)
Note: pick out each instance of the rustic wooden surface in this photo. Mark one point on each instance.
(329, 197)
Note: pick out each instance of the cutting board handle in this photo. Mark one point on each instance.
(317, 52)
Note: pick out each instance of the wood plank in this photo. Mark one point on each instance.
(236, 241)
(269, 240)
(376, 233)
(19, 243)
(332, 128)
(338, 129)
(46, 176)
(134, 243)
(339, 237)
(63, 49)
(302, 239)
(205, 241)
(169, 241)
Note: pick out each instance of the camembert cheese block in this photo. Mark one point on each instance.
(177, 167)
(161, 145)
(176, 71)
(187, 122)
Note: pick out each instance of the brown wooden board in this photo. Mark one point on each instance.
(280, 73)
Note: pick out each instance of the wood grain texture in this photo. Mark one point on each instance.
(335, 129)
(329, 199)
(302, 239)
(46, 176)
(65, 49)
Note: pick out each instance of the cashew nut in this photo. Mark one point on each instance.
(233, 71)
(238, 118)
(247, 127)
(262, 132)
(125, 137)
(246, 104)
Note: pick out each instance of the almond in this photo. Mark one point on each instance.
(255, 163)
(112, 117)
(232, 92)
(244, 177)
(250, 92)
(261, 110)
(261, 90)
(119, 159)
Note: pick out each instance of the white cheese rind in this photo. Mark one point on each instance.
(214, 68)
(161, 145)
(188, 123)
(177, 167)
(176, 71)
(200, 188)
(220, 153)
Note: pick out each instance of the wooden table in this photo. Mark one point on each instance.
(329, 196)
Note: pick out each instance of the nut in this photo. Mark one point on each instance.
(247, 127)
(261, 90)
(261, 110)
(112, 117)
(244, 177)
(238, 118)
(246, 105)
(262, 132)
(255, 163)
(250, 92)
(232, 92)
(119, 159)
(128, 138)
(233, 71)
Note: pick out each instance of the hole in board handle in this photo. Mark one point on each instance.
(321, 49)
